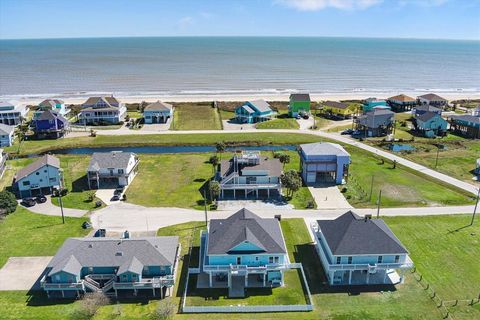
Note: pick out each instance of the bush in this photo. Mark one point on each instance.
(165, 310)
(344, 189)
(89, 305)
(310, 204)
(8, 202)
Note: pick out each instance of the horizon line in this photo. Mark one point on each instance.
(240, 36)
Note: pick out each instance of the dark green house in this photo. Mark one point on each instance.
(299, 104)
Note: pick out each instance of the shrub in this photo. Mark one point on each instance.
(89, 305)
(8, 202)
(310, 204)
(165, 310)
(344, 189)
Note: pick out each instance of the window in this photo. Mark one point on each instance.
(57, 277)
(397, 259)
(256, 258)
(145, 269)
(339, 260)
(350, 260)
(26, 183)
(90, 269)
(239, 260)
(380, 259)
(53, 179)
(276, 259)
(270, 259)
(120, 171)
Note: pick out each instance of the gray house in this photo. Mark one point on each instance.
(250, 173)
(424, 108)
(360, 251)
(158, 112)
(112, 169)
(432, 99)
(109, 265)
(324, 163)
(376, 123)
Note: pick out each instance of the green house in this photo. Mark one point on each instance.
(299, 104)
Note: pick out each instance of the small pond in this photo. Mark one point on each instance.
(401, 147)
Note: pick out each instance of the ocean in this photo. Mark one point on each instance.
(235, 66)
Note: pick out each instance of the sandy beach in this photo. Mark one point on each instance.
(281, 97)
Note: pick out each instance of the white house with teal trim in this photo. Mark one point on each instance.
(242, 251)
(55, 105)
(102, 111)
(360, 251)
(254, 111)
(157, 112)
(112, 265)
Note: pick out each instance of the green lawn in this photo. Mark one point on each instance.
(23, 233)
(400, 187)
(283, 121)
(196, 117)
(255, 138)
(134, 114)
(226, 114)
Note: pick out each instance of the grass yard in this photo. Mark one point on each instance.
(283, 121)
(12, 167)
(134, 114)
(255, 138)
(226, 114)
(23, 233)
(400, 187)
(199, 116)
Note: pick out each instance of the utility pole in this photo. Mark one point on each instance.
(378, 203)
(61, 204)
(436, 160)
(475, 209)
(205, 206)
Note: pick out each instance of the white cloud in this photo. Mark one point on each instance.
(314, 5)
(423, 3)
(185, 22)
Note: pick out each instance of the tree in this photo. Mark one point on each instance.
(90, 304)
(214, 160)
(220, 147)
(8, 202)
(284, 158)
(292, 181)
(214, 188)
(165, 309)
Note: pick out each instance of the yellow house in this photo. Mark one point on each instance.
(338, 109)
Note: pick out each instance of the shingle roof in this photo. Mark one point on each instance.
(43, 161)
(424, 117)
(335, 104)
(51, 115)
(323, 148)
(105, 160)
(242, 226)
(159, 106)
(5, 129)
(402, 98)
(350, 234)
(261, 105)
(376, 118)
(111, 101)
(274, 166)
(428, 108)
(119, 253)
(432, 97)
(133, 265)
(70, 265)
(299, 97)
(467, 118)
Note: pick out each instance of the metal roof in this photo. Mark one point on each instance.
(323, 148)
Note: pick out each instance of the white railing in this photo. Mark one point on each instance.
(250, 185)
(241, 267)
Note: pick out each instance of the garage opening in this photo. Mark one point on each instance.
(326, 177)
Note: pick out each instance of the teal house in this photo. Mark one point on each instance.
(299, 104)
(254, 111)
(110, 265)
(374, 103)
(431, 124)
(242, 251)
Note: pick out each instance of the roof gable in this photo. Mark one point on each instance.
(46, 160)
(260, 105)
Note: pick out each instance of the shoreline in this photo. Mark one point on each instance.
(69, 99)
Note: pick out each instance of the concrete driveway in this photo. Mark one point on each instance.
(233, 126)
(22, 273)
(305, 124)
(329, 197)
(48, 208)
(156, 127)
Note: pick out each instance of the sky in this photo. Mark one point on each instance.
(437, 19)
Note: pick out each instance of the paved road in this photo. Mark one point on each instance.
(48, 208)
(334, 136)
(125, 216)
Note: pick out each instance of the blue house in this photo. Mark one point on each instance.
(374, 103)
(39, 177)
(242, 251)
(254, 111)
(50, 124)
(54, 105)
(466, 125)
(431, 124)
(424, 108)
(158, 112)
(6, 135)
(359, 251)
(109, 265)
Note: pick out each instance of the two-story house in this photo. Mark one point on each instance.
(242, 251)
(432, 99)
(249, 173)
(39, 177)
(465, 125)
(158, 112)
(376, 123)
(254, 111)
(424, 108)
(50, 124)
(11, 113)
(431, 124)
(102, 110)
(111, 265)
(324, 163)
(299, 103)
(359, 251)
(401, 103)
(337, 109)
(111, 169)
(6, 135)
(55, 105)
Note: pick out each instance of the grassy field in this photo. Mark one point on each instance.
(23, 233)
(282, 121)
(255, 138)
(196, 117)
(400, 186)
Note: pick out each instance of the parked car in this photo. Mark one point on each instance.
(100, 233)
(86, 225)
(41, 199)
(348, 131)
(305, 116)
(115, 198)
(118, 191)
(297, 117)
(28, 202)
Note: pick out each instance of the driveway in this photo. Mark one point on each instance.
(48, 208)
(233, 126)
(156, 127)
(22, 273)
(329, 197)
(305, 124)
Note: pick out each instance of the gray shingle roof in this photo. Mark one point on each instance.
(335, 104)
(69, 264)
(294, 97)
(274, 166)
(467, 118)
(110, 101)
(43, 161)
(52, 115)
(106, 160)
(432, 97)
(424, 117)
(376, 118)
(133, 265)
(125, 254)
(351, 234)
(242, 226)
(428, 108)
(5, 130)
(323, 148)
(261, 105)
(158, 106)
